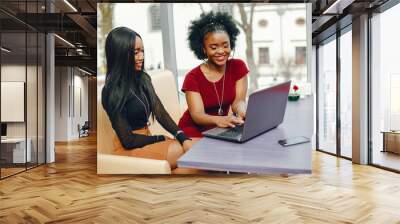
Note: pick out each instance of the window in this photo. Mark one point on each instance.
(300, 55)
(276, 39)
(300, 21)
(263, 55)
(125, 14)
(223, 7)
(385, 87)
(346, 94)
(154, 11)
(394, 101)
(327, 97)
(263, 23)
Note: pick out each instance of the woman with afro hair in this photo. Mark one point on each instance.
(220, 82)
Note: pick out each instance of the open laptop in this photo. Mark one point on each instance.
(265, 111)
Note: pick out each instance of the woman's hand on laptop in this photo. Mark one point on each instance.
(229, 121)
(241, 110)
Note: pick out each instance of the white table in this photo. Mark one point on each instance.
(17, 147)
(262, 154)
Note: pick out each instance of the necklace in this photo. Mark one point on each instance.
(146, 109)
(220, 111)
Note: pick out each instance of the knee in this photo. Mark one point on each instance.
(175, 151)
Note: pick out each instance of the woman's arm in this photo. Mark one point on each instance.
(167, 122)
(128, 139)
(163, 116)
(199, 116)
(196, 109)
(239, 104)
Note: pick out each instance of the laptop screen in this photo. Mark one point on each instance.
(3, 129)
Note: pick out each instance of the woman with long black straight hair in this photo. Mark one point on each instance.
(129, 98)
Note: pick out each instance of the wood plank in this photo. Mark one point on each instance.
(70, 191)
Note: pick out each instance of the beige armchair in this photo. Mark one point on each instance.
(109, 163)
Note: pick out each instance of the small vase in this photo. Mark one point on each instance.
(294, 97)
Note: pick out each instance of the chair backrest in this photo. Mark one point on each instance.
(165, 87)
(86, 125)
(105, 132)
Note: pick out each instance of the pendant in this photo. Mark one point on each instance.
(220, 112)
(148, 123)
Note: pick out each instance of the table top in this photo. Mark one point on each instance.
(262, 154)
(13, 140)
(391, 132)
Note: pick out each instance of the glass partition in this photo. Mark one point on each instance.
(22, 79)
(13, 94)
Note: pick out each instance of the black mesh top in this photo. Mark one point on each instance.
(133, 116)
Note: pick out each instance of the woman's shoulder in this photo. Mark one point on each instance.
(238, 68)
(236, 62)
(194, 73)
(146, 76)
(192, 80)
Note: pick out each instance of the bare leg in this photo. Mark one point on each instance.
(175, 151)
(182, 170)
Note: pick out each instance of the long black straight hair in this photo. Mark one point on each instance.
(122, 77)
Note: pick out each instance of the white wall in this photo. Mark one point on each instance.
(80, 84)
(12, 73)
(61, 103)
(69, 82)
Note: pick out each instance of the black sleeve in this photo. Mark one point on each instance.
(123, 130)
(163, 117)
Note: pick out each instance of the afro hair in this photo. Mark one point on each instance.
(210, 22)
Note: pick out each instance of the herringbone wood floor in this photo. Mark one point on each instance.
(70, 191)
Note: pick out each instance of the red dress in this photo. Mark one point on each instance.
(196, 81)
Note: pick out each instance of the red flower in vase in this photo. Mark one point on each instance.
(294, 95)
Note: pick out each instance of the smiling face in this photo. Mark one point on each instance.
(139, 54)
(217, 47)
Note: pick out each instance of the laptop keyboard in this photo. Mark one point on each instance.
(233, 132)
